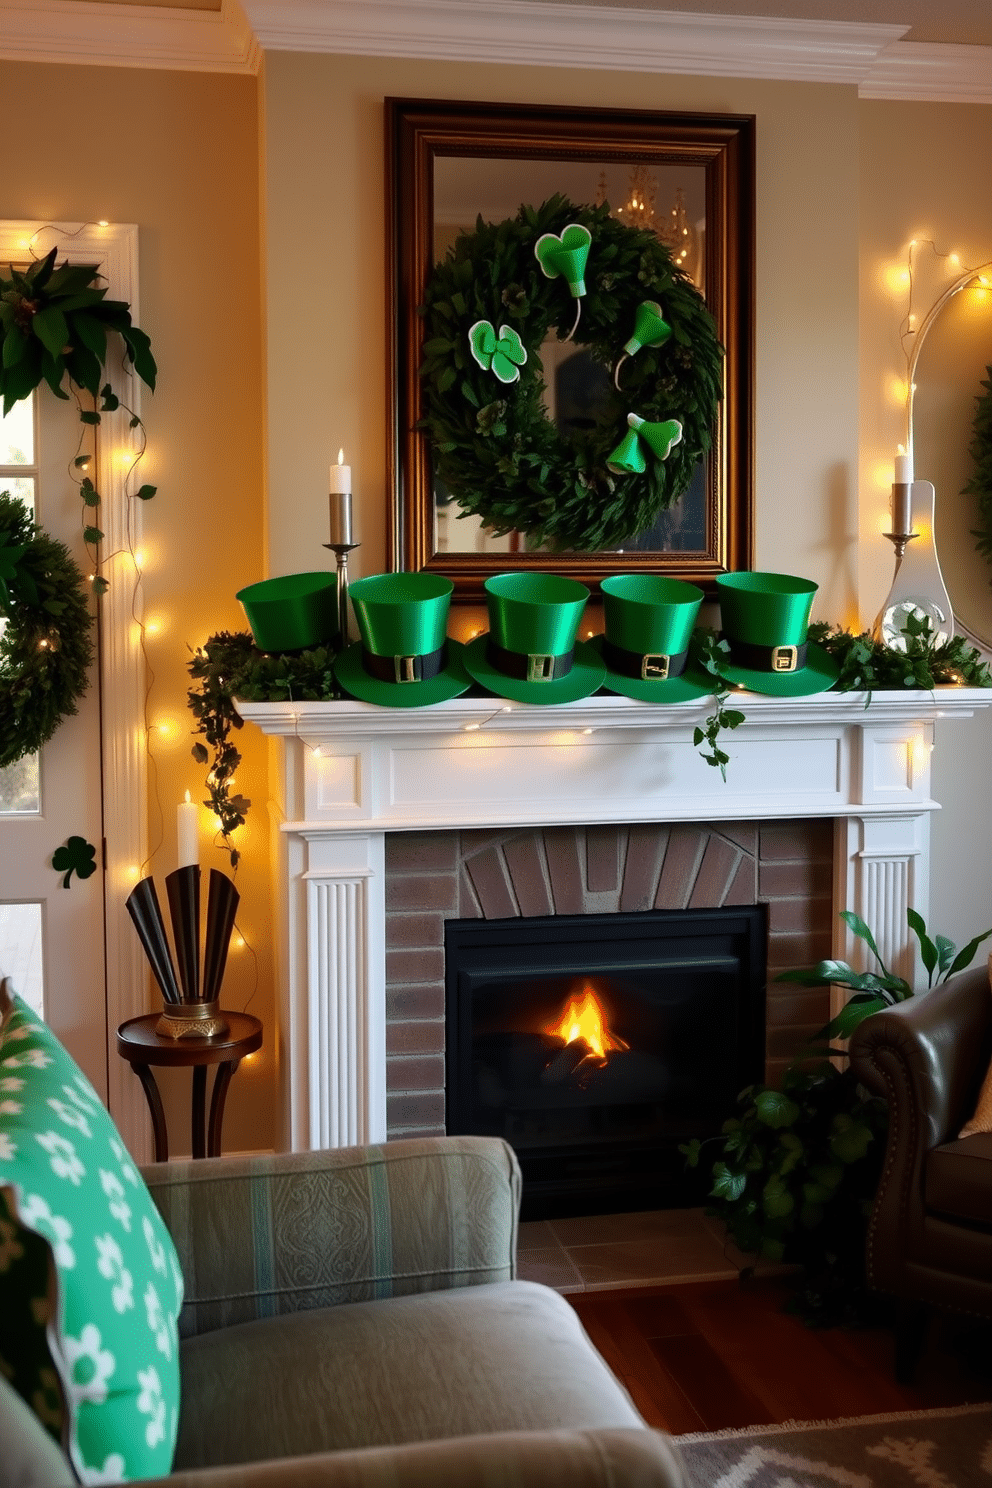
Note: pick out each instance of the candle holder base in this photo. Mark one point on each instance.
(191, 1020)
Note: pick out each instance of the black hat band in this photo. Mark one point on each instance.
(776, 659)
(405, 668)
(536, 667)
(649, 666)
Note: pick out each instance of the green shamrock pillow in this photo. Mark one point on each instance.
(90, 1286)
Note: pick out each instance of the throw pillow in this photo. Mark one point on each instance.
(90, 1285)
(981, 1121)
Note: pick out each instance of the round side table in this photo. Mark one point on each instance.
(142, 1047)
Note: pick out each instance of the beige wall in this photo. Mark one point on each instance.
(177, 153)
(924, 170)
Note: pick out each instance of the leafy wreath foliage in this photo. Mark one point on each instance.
(980, 484)
(46, 646)
(494, 445)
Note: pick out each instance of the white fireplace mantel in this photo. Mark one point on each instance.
(353, 772)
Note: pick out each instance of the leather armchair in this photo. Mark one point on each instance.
(930, 1231)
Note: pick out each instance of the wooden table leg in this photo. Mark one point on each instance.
(159, 1132)
(198, 1127)
(222, 1080)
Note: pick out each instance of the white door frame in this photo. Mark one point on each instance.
(113, 248)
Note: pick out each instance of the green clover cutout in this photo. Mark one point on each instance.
(503, 354)
(566, 254)
(77, 856)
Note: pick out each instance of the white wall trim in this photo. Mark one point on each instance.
(128, 36)
(872, 57)
(114, 249)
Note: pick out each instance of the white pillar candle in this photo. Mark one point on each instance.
(339, 499)
(902, 494)
(187, 833)
(904, 467)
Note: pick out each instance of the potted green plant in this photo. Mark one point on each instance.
(799, 1164)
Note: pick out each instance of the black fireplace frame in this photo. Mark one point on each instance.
(599, 1178)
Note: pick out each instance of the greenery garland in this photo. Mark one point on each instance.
(46, 647)
(230, 666)
(980, 484)
(492, 442)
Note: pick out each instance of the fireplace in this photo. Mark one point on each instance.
(596, 1044)
(383, 776)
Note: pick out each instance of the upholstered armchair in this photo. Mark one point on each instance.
(351, 1317)
(930, 1232)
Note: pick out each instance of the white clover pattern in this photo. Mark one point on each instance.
(151, 1403)
(155, 1247)
(32, 1059)
(8, 1149)
(38, 1216)
(82, 1092)
(124, 1158)
(158, 1321)
(10, 1107)
(11, 1249)
(71, 1115)
(10, 1084)
(112, 1471)
(16, 1035)
(111, 1265)
(62, 1153)
(90, 1364)
(119, 1206)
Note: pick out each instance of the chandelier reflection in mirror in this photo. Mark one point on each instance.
(674, 228)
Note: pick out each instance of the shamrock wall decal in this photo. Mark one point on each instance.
(503, 353)
(76, 856)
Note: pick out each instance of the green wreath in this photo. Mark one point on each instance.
(980, 484)
(45, 648)
(488, 308)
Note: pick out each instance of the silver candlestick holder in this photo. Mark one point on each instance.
(341, 551)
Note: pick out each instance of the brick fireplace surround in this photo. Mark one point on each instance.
(393, 819)
(437, 876)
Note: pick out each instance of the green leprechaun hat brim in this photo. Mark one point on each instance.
(765, 621)
(450, 682)
(404, 658)
(586, 676)
(685, 688)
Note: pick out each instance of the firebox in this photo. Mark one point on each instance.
(596, 1044)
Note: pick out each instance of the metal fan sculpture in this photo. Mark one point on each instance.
(191, 1001)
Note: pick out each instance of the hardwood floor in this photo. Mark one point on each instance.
(706, 1356)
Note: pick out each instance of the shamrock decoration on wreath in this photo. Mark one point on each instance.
(45, 648)
(615, 291)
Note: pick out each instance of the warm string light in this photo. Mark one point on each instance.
(913, 331)
(472, 728)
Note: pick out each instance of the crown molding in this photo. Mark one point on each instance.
(871, 57)
(941, 74)
(561, 35)
(83, 31)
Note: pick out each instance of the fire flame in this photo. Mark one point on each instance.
(585, 1018)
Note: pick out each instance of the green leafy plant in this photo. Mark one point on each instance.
(799, 1164)
(866, 665)
(710, 653)
(229, 666)
(980, 484)
(54, 327)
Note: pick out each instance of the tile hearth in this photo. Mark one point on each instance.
(609, 1251)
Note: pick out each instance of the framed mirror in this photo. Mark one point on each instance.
(690, 177)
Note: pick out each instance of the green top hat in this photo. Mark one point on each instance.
(404, 658)
(530, 653)
(292, 612)
(765, 622)
(648, 625)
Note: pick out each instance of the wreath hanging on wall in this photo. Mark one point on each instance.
(615, 292)
(980, 484)
(46, 646)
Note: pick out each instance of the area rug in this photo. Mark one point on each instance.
(919, 1449)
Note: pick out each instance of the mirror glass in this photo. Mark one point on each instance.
(952, 364)
(688, 178)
